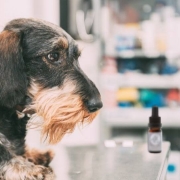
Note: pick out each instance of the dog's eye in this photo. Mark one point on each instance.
(53, 57)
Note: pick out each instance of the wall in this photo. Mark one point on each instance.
(43, 9)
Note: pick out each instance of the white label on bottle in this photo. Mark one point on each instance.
(154, 141)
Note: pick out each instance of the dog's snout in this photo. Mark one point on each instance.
(94, 104)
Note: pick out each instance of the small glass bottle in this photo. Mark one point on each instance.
(154, 132)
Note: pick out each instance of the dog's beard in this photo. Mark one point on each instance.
(61, 110)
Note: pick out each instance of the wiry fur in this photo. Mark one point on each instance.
(61, 110)
(41, 97)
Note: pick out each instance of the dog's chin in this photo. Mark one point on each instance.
(61, 111)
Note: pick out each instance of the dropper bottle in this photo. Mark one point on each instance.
(154, 132)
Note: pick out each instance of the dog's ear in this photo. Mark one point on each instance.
(12, 73)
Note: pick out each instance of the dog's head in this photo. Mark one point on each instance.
(40, 60)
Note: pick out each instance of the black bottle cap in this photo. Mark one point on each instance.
(154, 119)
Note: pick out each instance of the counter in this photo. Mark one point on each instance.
(114, 163)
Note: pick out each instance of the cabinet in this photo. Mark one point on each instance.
(140, 66)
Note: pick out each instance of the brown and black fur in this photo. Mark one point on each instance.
(41, 87)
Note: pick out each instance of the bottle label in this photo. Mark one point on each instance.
(154, 141)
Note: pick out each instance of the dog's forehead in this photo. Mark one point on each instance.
(62, 38)
(54, 27)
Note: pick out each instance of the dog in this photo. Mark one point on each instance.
(44, 94)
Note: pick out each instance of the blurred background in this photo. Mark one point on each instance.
(131, 50)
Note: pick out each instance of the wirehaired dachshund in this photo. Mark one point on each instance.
(44, 94)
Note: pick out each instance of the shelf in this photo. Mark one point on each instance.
(132, 79)
(134, 54)
(139, 117)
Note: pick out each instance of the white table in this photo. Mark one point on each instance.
(115, 163)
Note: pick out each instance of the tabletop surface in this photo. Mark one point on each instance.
(112, 163)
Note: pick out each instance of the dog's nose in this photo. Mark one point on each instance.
(94, 104)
